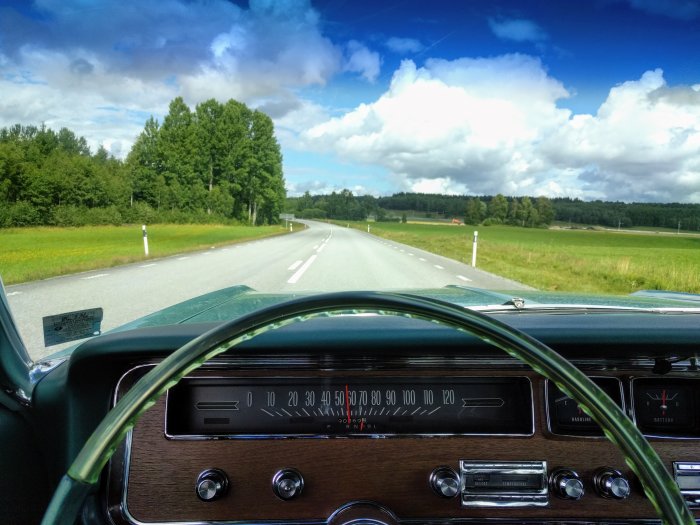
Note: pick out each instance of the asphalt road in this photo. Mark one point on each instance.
(322, 257)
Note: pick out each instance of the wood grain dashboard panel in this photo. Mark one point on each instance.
(392, 472)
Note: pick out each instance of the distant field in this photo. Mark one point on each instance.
(27, 254)
(566, 260)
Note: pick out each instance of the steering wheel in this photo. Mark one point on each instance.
(84, 473)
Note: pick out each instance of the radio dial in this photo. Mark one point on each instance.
(566, 484)
(611, 483)
(445, 482)
(211, 484)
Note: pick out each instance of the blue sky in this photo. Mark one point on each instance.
(594, 99)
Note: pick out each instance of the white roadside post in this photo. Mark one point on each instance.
(476, 235)
(368, 228)
(145, 240)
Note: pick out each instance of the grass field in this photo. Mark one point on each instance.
(565, 260)
(27, 254)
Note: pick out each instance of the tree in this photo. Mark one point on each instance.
(475, 211)
(498, 208)
(545, 210)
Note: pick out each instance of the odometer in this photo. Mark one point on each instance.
(350, 406)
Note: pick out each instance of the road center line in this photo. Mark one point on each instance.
(438, 267)
(295, 265)
(95, 276)
(294, 278)
(463, 278)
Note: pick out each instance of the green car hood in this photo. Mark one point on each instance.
(229, 303)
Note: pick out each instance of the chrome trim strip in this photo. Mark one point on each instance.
(201, 437)
(548, 417)
(634, 413)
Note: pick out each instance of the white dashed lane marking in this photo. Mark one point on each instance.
(294, 278)
(147, 265)
(420, 259)
(95, 276)
(438, 267)
(463, 278)
(10, 294)
(295, 265)
(182, 258)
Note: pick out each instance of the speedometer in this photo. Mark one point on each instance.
(350, 406)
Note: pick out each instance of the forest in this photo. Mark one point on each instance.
(219, 162)
(498, 209)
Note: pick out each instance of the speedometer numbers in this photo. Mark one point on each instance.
(351, 406)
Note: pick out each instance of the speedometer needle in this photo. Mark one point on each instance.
(347, 402)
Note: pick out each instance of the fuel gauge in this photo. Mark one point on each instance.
(667, 407)
(568, 418)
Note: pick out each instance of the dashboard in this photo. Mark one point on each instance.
(397, 428)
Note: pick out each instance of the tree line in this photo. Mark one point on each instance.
(498, 209)
(220, 162)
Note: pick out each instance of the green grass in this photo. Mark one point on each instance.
(564, 260)
(27, 254)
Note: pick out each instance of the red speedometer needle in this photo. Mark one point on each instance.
(347, 402)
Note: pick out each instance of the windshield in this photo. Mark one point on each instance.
(155, 152)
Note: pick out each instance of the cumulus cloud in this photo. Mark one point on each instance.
(517, 29)
(493, 125)
(642, 142)
(471, 121)
(404, 46)
(63, 60)
(363, 61)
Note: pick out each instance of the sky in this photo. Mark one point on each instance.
(590, 99)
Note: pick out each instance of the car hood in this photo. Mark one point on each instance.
(230, 303)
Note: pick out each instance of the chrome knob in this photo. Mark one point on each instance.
(611, 484)
(211, 484)
(566, 484)
(445, 482)
(287, 483)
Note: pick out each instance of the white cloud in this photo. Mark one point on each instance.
(642, 143)
(363, 61)
(470, 121)
(492, 125)
(135, 58)
(404, 46)
(518, 30)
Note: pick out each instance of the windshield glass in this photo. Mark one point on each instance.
(153, 152)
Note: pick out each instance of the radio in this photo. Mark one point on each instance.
(688, 478)
(504, 484)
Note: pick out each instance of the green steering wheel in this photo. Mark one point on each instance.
(84, 473)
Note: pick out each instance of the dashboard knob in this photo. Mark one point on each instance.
(445, 482)
(287, 483)
(566, 484)
(211, 484)
(611, 483)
